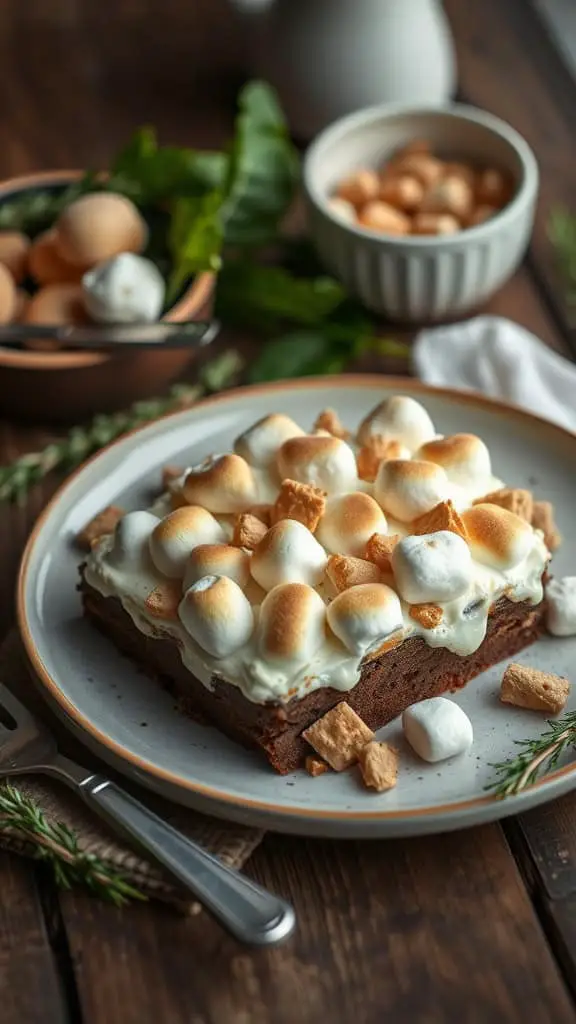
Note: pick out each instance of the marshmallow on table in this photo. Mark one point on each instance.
(407, 488)
(364, 615)
(464, 457)
(260, 443)
(223, 484)
(432, 567)
(437, 729)
(176, 536)
(217, 560)
(348, 523)
(126, 289)
(497, 538)
(131, 539)
(288, 553)
(217, 615)
(398, 418)
(325, 462)
(291, 624)
(561, 598)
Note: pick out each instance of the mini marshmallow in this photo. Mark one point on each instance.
(561, 598)
(432, 567)
(288, 553)
(131, 538)
(364, 616)
(223, 484)
(217, 560)
(348, 523)
(260, 443)
(176, 536)
(217, 615)
(464, 457)
(497, 537)
(127, 289)
(291, 624)
(407, 488)
(437, 729)
(398, 418)
(326, 462)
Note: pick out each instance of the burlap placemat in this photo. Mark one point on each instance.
(232, 843)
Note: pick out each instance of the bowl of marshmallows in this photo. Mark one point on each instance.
(421, 213)
(89, 266)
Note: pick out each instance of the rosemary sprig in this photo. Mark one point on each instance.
(19, 476)
(58, 846)
(521, 771)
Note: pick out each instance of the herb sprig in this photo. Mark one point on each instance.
(535, 757)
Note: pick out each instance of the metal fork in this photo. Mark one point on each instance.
(248, 911)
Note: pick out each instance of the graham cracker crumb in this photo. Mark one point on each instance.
(102, 524)
(339, 736)
(302, 502)
(543, 519)
(529, 688)
(315, 766)
(163, 601)
(378, 766)
(330, 421)
(170, 474)
(515, 499)
(373, 452)
(379, 550)
(262, 512)
(344, 571)
(248, 531)
(442, 517)
(428, 615)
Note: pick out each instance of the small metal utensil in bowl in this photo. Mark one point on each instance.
(113, 337)
(243, 907)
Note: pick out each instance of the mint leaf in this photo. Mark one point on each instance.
(195, 238)
(148, 173)
(293, 355)
(260, 296)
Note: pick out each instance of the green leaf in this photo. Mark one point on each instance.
(291, 355)
(260, 296)
(196, 236)
(149, 173)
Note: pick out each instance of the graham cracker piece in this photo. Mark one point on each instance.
(378, 766)
(248, 531)
(543, 519)
(379, 550)
(329, 420)
(339, 736)
(163, 601)
(102, 524)
(375, 451)
(170, 473)
(315, 766)
(515, 499)
(442, 517)
(302, 502)
(344, 571)
(428, 615)
(529, 688)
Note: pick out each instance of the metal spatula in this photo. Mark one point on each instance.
(244, 908)
(103, 337)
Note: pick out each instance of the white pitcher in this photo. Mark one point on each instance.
(327, 58)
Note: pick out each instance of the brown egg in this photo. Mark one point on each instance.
(460, 170)
(359, 188)
(98, 226)
(403, 191)
(435, 224)
(8, 300)
(423, 166)
(449, 195)
(480, 214)
(14, 248)
(417, 146)
(22, 300)
(46, 265)
(493, 187)
(380, 216)
(55, 304)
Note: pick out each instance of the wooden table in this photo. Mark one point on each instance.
(471, 927)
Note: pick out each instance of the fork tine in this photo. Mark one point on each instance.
(19, 713)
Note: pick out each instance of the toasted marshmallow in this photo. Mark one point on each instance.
(497, 537)
(260, 443)
(217, 615)
(131, 539)
(398, 418)
(464, 457)
(291, 624)
(217, 560)
(288, 553)
(176, 536)
(432, 567)
(561, 599)
(437, 729)
(325, 462)
(407, 488)
(348, 523)
(223, 484)
(364, 615)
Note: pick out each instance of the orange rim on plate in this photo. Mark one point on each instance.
(141, 764)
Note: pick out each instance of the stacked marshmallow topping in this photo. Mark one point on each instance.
(286, 564)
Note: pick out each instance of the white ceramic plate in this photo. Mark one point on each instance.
(131, 723)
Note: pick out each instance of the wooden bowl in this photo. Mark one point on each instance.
(65, 386)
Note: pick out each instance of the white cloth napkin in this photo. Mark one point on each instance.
(501, 359)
